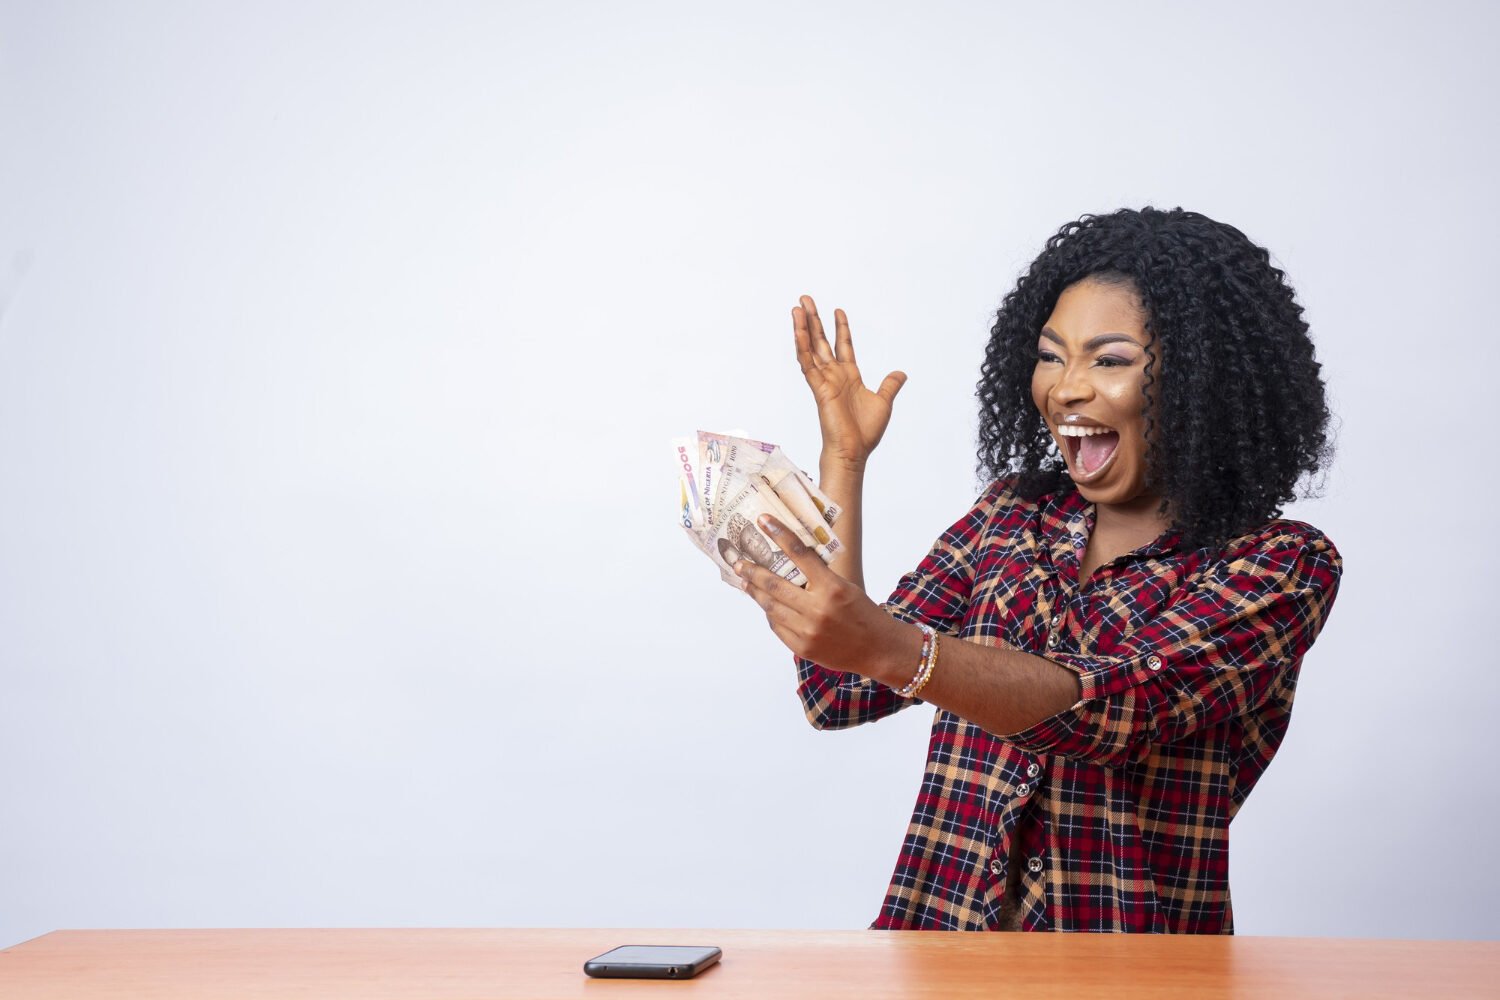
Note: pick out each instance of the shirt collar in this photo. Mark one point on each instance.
(1068, 521)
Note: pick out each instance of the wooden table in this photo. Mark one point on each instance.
(765, 965)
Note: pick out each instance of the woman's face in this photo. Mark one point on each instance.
(1089, 386)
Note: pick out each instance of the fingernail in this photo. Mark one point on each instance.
(768, 524)
(739, 569)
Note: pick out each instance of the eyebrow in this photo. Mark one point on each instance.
(1094, 343)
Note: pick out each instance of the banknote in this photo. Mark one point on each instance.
(814, 534)
(821, 500)
(797, 493)
(690, 499)
(727, 481)
(719, 453)
(740, 536)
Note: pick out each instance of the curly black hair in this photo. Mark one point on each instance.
(1235, 413)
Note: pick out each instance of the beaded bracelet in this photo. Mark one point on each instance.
(927, 665)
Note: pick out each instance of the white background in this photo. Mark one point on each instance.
(341, 346)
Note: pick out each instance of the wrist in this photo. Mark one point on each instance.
(902, 654)
(839, 469)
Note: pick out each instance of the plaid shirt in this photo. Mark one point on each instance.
(1120, 806)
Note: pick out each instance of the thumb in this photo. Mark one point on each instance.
(891, 385)
(803, 557)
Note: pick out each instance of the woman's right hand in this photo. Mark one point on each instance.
(853, 419)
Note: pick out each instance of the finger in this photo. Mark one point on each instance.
(806, 360)
(776, 597)
(755, 592)
(804, 558)
(775, 588)
(815, 330)
(756, 578)
(890, 385)
(843, 343)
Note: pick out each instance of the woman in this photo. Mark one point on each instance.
(1112, 634)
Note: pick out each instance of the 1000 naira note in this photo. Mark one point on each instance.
(739, 536)
(727, 481)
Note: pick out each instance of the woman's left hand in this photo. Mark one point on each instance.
(831, 621)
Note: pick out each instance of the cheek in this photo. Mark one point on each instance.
(1134, 425)
(1128, 403)
(1039, 387)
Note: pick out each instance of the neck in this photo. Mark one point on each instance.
(1138, 520)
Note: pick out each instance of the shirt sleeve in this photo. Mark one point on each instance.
(1216, 654)
(936, 593)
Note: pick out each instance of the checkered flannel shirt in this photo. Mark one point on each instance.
(1187, 661)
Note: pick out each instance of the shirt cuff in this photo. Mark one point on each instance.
(1104, 676)
(1076, 731)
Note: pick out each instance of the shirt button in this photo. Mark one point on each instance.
(1056, 620)
(996, 868)
(1023, 789)
(1153, 661)
(1033, 769)
(1034, 865)
(1052, 640)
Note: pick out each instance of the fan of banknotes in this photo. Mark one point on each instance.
(727, 481)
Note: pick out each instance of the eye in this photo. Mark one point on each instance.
(1110, 361)
(1047, 356)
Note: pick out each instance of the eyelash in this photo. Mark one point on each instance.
(1108, 361)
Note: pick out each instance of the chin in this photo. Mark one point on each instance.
(1111, 494)
(1098, 494)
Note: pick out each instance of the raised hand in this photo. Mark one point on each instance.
(852, 418)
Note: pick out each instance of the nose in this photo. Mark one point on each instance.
(1072, 387)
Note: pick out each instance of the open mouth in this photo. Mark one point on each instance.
(1089, 450)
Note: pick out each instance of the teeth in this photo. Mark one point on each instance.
(1071, 431)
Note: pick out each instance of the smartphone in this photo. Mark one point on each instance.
(647, 961)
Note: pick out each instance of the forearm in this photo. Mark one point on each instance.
(833, 623)
(845, 483)
(999, 689)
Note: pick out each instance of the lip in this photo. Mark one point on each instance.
(1078, 474)
(1069, 447)
(1076, 420)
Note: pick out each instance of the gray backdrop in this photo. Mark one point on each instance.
(341, 346)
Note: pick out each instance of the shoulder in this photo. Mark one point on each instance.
(1295, 551)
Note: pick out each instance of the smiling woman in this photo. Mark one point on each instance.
(1222, 376)
(1089, 390)
(1112, 635)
